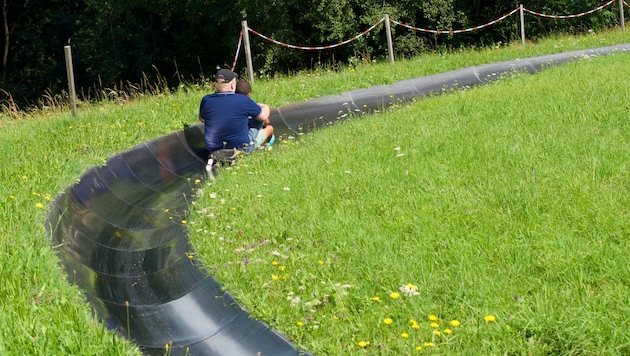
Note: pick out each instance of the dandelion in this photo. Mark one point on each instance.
(166, 210)
(434, 325)
(197, 181)
(418, 348)
(184, 222)
(433, 317)
(437, 332)
(455, 323)
(375, 298)
(490, 318)
(394, 295)
(404, 335)
(388, 321)
(275, 263)
(320, 262)
(275, 278)
(448, 331)
(429, 344)
(364, 344)
(281, 268)
(299, 323)
(415, 326)
(39, 206)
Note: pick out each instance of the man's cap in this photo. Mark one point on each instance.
(225, 76)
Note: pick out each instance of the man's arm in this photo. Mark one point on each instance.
(264, 113)
(202, 120)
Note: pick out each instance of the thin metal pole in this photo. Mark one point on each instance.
(621, 16)
(73, 95)
(522, 25)
(388, 32)
(248, 51)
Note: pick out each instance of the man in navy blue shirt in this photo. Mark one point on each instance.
(225, 115)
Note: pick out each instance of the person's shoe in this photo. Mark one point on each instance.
(209, 170)
(271, 140)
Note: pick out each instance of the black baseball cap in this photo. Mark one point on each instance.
(225, 76)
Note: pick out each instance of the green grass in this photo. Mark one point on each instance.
(508, 200)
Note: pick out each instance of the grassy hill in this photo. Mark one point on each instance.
(504, 207)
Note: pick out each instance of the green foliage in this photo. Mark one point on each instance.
(123, 44)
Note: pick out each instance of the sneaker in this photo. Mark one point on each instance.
(271, 140)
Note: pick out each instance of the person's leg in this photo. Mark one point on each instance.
(268, 132)
(253, 135)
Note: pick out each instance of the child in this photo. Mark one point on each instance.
(260, 132)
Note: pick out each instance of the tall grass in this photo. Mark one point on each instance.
(513, 208)
(502, 210)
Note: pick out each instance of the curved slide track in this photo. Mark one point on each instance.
(119, 236)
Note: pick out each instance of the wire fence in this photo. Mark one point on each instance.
(244, 35)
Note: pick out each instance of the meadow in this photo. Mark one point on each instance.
(491, 220)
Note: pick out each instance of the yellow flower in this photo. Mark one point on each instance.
(197, 181)
(275, 278)
(405, 335)
(39, 206)
(281, 268)
(429, 344)
(415, 326)
(448, 331)
(184, 222)
(490, 318)
(434, 325)
(394, 295)
(166, 210)
(364, 344)
(275, 263)
(418, 348)
(375, 298)
(388, 321)
(433, 317)
(320, 262)
(437, 333)
(455, 323)
(299, 323)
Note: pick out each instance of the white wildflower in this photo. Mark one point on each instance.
(409, 289)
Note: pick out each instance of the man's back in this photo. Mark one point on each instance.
(225, 117)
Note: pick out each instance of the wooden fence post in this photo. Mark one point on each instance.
(388, 33)
(621, 17)
(522, 25)
(70, 72)
(248, 51)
